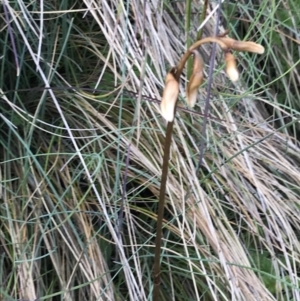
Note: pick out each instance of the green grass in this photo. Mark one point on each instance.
(72, 160)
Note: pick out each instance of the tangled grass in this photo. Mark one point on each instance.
(81, 161)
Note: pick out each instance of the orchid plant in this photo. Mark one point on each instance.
(168, 109)
(171, 90)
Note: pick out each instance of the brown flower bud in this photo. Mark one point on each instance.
(244, 46)
(231, 69)
(169, 99)
(195, 80)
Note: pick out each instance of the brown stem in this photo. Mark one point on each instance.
(197, 44)
(161, 204)
(161, 207)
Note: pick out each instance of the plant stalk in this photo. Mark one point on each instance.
(161, 207)
(161, 204)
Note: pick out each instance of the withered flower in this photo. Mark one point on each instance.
(169, 99)
(231, 68)
(171, 91)
(195, 80)
(245, 46)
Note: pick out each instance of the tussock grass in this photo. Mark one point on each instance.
(81, 162)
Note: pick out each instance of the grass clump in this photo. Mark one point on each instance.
(81, 162)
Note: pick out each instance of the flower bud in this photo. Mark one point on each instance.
(169, 99)
(231, 69)
(195, 80)
(244, 46)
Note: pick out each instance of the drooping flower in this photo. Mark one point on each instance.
(169, 99)
(231, 68)
(245, 46)
(195, 80)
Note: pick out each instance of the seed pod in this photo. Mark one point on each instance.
(244, 46)
(231, 68)
(195, 80)
(169, 99)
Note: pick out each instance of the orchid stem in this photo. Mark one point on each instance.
(161, 204)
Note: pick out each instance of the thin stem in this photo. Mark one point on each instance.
(187, 32)
(161, 205)
(202, 18)
(207, 102)
(12, 39)
(196, 45)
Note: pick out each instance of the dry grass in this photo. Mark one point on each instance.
(66, 153)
